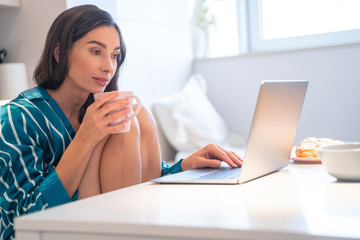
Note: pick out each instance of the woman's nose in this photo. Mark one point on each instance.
(108, 65)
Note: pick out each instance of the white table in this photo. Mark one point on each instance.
(298, 202)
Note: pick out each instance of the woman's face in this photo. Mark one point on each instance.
(93, 59)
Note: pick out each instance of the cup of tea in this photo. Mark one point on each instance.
(127, 119)
(342, 161)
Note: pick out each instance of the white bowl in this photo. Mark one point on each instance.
(342, 161)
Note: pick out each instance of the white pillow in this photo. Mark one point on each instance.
(188, 119)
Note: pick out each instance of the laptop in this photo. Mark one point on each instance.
(270, 140)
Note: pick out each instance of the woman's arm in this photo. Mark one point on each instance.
(209, 156)
(27, 177)
(94, 128)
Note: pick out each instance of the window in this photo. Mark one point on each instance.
(289, 24)
(308, 17)
(242, 26)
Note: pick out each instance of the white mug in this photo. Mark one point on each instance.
(124, 95)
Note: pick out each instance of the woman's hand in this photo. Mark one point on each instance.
(95, 125)
(211, 156)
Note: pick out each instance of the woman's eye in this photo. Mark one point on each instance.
(115, 56)
(96, 52)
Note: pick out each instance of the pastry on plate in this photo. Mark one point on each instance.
(309, 147)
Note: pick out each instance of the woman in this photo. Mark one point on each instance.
(56, 144)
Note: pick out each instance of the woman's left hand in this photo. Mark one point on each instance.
(211, 156)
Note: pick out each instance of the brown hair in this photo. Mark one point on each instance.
(68, 27)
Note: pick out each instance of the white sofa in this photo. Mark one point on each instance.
(187, 121)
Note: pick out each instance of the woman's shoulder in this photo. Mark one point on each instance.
(25, 103)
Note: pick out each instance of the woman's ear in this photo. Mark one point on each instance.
(56, 52)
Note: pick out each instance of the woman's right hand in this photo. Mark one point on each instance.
(95, 125)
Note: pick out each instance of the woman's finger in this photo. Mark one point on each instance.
(100, 101)
(233, 156)
(114, 106)
(117, 128)
(216, 151)
(206, 162)
(122, 115)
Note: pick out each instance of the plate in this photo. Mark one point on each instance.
(305, 160)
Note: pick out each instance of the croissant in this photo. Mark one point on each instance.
(309, 147)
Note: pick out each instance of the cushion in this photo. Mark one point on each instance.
(188, 118)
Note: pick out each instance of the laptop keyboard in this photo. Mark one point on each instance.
(228, 173)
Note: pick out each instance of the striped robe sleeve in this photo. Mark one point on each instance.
(166, 169)
(27, 182)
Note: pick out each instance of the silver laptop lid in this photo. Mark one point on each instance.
(273, 127)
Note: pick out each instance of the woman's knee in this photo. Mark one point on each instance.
(124, 139)
(134, 128)
(146, 121)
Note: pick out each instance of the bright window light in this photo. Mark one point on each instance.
(292, 18)
(232, 27)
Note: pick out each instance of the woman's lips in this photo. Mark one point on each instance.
(101, 81)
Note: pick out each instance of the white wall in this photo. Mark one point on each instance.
(23, 30)
(331, 107)
(158, 38)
